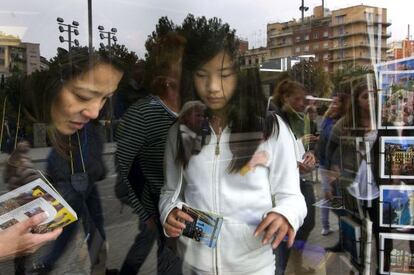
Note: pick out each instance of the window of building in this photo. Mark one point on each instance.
(1, 50)
(2, 63)
(315, 35)
(326, 56)
(340, 19)
(325, 45)
(256, 61)
(306, 48)
(297, 49)
(325, 34)
(315, 46)
(307, 37)
(297, 38)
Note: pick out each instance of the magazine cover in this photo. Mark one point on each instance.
(205, 228)
(31, 199)
(333, 203)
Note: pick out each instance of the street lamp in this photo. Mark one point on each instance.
(109, 35)
(69, 28)
(303, 8)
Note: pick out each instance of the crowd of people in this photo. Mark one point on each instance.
(202, 136)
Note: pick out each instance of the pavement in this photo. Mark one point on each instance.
(122, 226)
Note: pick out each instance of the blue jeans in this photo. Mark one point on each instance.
(167, 262)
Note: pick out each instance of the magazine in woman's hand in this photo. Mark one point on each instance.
(205, 227)
(33, 198)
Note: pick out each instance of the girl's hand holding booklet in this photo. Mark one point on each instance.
(205, 227)
(35, 197)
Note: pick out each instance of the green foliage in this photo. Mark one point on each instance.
(128, 58)
(348, 72)
(163, 27)
(313, 76)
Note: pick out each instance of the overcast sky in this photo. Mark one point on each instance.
(35, 20)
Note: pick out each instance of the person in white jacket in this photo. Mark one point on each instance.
(246, 170)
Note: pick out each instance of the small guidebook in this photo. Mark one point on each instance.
(205, 227)
(33, 198)
(332, 203)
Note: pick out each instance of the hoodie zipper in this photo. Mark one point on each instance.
(215, 180)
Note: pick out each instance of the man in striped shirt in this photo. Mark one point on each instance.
(141, 136)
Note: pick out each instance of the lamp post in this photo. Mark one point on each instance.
(69, 28)
(303, 8)
(109, 35)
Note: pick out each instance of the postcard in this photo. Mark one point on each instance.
(397, 206)
(403, 64)
(395, 253)
(395, 110)
(392, 81)
(396, 157)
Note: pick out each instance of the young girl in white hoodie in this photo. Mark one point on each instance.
(246, 170)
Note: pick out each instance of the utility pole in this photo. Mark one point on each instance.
(90, 45)
(303, 8)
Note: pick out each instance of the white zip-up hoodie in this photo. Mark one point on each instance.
(269, 184)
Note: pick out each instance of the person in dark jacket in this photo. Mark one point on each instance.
(68, 97)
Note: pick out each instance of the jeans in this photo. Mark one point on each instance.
(167, 262)
(282, 252)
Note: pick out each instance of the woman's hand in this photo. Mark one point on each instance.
(175, 225)
(19, 168)
(275, 227)
(308, 163)
(18, 239)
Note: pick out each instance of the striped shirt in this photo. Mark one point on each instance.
(142, 133)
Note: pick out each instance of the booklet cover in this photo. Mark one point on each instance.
(34, 198)
(205, 228)
(333, 203)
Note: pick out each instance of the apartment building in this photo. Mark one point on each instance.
(350, 36)
(400, 49)
(254, 57)
(16, 55)
(359, 36)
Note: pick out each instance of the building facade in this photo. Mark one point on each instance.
(18, 56)
(350, 36)
(400, 49)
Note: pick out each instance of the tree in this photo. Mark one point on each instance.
(163, 27)
(313, 76)
(348, 72)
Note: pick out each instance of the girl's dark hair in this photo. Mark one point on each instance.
(353, 114)
(163, 57)
(42, 87)
(246, 110)
(285, 87)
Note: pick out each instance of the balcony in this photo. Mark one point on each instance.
(361, 44)
(349, 22)
(279, 45)
(348, 34)
(337, 59)
(274, 34)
